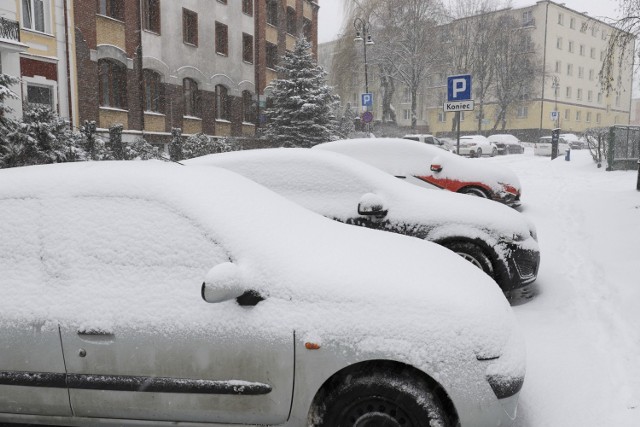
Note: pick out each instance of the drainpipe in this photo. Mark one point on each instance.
(544, 65)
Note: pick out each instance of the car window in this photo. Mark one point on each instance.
(140, 247)
(429, 140)
(412, 138)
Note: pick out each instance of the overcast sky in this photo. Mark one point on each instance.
(331, 15)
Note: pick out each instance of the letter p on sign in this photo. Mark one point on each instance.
(459, 88)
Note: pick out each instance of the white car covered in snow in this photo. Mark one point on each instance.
(506, 143)
(300, 321)
(428, 166)
(493, 237)
(477, 146)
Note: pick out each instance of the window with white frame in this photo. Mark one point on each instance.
(600, 98)
(442, 117)
(558, 66)
(591, 74)
(523, 111)
(592, 53)
(567, 114)
(406, 114)
(568, 92)
(590, 96)
(559, 42)
(570, 46)
(580, 72)
(572, 23)
(598, 118)
(560, 19)
(569, 69)
(582, 50)
(588, 118)
(579, 94)
(578, 116)
(36, 15)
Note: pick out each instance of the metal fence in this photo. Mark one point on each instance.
(9, 29)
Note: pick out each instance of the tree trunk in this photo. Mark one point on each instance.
(414, 103)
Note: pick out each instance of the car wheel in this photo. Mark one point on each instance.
(473, 254)
(474, 191)
(382, 400)
(479, 152)
(494, 152)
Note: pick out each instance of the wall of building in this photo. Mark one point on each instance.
(10, 60)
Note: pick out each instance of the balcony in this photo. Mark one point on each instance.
(9, 30)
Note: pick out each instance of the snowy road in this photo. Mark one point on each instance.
(583, 328)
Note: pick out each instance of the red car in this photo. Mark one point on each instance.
(430, 166)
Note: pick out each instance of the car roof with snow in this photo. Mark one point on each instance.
(406, 157)
(333, 184)
(503, 137)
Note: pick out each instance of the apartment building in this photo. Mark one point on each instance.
(278, 24)
(10, 48)
(153, 65)
(570, 46)
(43, 63)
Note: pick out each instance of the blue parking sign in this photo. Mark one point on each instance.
(367, 100)
(459, 88)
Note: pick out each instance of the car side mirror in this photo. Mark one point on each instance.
(223, 282)
(372, 205)
(436, 167)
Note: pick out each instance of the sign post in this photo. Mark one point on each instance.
(367, 105)
(458, 99)
(555, 138)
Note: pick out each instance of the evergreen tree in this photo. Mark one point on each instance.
(140, 149)
(7, 124)
(175, 147)
(200, 145)
(115, 142)
(347, 122)
(303, 105)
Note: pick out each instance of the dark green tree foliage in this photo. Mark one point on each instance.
(140, 149)
(347, 122)
(175, 147)
(6, 123)
(115, 141)
(200, 145)
(303, 104)
(42, 137)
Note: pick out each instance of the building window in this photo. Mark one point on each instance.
(527, 18)
(560, 19)
(247, 7)
(40, 95)
(579, 94)
(559, 42)
(152, 91)
(600, 98)
(222, 1)
(572, 23)
(523, 111)
(568, 92)
(590, 96)
(190, 27)
(598, 117)
(113, 84)
(247, 48)
(191, 96)
(151, 15)
(558, 67)
(588, 118)
(406, 114)
(112, 8)
(306, 28)
(272, 12)
(291, 21)
(222, 39)
(442, 117)
(583, 27)
(36, 15)
(591, 74)
(582, 50)
(567, 115)
(581, 72)
(462, 116)
(223, 103)
(571, 46)
(272, 55)
(578, 116)
(248, 110)
(569, 69)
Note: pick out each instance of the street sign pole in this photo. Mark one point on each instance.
(458, 132)
(458, 100)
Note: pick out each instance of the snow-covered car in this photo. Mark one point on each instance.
(493, 237)
(507, 143)
(477, 146)
(574, 141)
(428, 139)
(148, 293)
(543, 146)
(427, 166)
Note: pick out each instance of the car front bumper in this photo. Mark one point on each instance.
(521, 266)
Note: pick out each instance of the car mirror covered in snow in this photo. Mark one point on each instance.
(372, 205)
(223, 282)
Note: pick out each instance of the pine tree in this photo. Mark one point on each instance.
(175, 147)
(347, 122)
(303, 105)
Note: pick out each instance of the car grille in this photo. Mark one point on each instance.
(527, 267)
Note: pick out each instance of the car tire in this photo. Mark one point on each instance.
(494, 152)
(479, 152)
(474, 191)
(381, 400)
(474, 254)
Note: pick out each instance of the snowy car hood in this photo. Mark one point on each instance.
(405, 157)
(337, 178)
(372, 291)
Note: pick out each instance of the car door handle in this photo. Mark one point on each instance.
(95, 332)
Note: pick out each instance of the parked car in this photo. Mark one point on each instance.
(477, 146)
(507, 144)
(105, 320)
(426, 166)
(495, 238)
(429, 139)
(574, 141)
(543, 146)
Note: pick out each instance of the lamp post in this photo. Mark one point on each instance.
(363, 35)
(556, 88)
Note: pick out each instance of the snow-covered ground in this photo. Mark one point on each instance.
(583, 328)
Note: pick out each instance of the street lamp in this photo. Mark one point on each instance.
(556, 88)
(363, 35)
